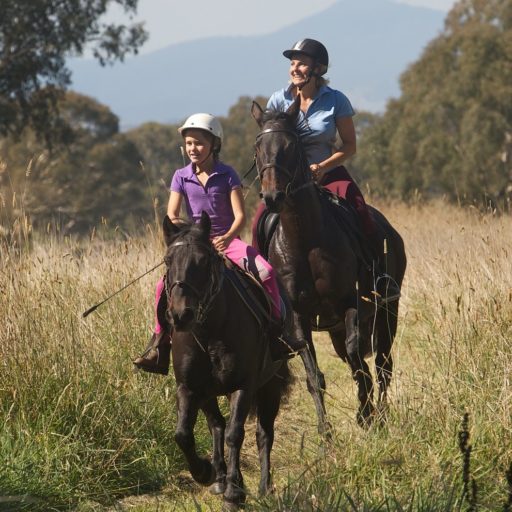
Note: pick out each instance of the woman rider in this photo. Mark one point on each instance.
(324, 114)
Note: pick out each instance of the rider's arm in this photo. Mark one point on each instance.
(347, 133)
(237, 203)
(174, 207)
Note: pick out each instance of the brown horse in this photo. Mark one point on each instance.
(219, 347)
(321, 262)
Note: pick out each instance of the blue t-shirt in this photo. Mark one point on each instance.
(214, 198)
(317, 126)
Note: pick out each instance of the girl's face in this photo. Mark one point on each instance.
(301, 67)
(198, 145)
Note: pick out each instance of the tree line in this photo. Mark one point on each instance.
(64, 159)
(450, 131)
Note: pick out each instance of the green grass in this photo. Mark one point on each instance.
(81, 431)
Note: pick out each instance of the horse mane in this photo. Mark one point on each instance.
(276, 115)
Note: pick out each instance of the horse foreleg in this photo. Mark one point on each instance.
(217, 426)
(314, 377)
(235, 433)
(268, 398)
(360, 369)
(200, 469)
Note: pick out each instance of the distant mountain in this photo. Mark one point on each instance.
(370, 42)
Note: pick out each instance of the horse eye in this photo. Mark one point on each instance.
(167, 261)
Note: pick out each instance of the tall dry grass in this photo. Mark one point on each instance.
(79, 429)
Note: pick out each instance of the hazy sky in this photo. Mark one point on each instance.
(173, 21)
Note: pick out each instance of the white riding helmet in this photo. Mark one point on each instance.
(205, 122)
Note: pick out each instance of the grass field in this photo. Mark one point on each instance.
(80, 431)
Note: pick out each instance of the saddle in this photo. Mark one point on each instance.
(347, 218)
(267, 224)
(341, 211)
(254, 295)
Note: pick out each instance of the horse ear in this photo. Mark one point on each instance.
(294, 108)
(170, 230)
(257, 113)
(206, 224)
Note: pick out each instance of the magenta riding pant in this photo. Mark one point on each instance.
(248, 259)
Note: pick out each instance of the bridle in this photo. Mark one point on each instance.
(206, 298)
(300, 164)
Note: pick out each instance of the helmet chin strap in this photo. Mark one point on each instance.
(310, 75)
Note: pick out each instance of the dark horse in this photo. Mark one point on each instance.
(322, 265)
(218, 348)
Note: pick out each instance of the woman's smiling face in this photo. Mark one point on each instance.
(301, 67)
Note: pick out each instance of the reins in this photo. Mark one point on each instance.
(206, 299)
(290, 190)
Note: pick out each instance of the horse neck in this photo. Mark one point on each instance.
(301, 217)
(217, 312)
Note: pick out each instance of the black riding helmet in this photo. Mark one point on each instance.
(312, 48)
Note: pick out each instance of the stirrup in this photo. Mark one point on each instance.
(159, 360)
(391, 285)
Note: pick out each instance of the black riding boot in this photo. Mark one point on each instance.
(282, 344)
(157, 356)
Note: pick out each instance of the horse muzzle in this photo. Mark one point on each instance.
(183, 320)
(274, 200)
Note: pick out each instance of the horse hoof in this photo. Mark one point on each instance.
(229, 506)
(207, 475)
(217, 488)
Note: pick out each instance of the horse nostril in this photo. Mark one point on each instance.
(187, 316)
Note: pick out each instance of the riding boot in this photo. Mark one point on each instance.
(282, 344)
(156, 358)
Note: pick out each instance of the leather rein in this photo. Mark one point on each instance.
(206, 298)
(291, 175)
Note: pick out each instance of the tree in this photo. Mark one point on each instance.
(159, 146)
(240, 131)
(98, 176)
(450, 131)
(35, 39)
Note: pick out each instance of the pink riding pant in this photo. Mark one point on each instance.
(248, 259)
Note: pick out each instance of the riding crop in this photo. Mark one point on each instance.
(96, 306)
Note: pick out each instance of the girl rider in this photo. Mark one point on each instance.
(209, 185)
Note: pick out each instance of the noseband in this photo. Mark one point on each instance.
(291, 175)
(205, 299)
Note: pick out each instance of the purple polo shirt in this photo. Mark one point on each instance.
(214, 198)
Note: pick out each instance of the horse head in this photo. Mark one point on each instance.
(279, 156)
(192, 276)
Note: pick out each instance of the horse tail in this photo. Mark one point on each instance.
(284, 379)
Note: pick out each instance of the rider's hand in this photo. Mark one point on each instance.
(221, 243)
(317, 172)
